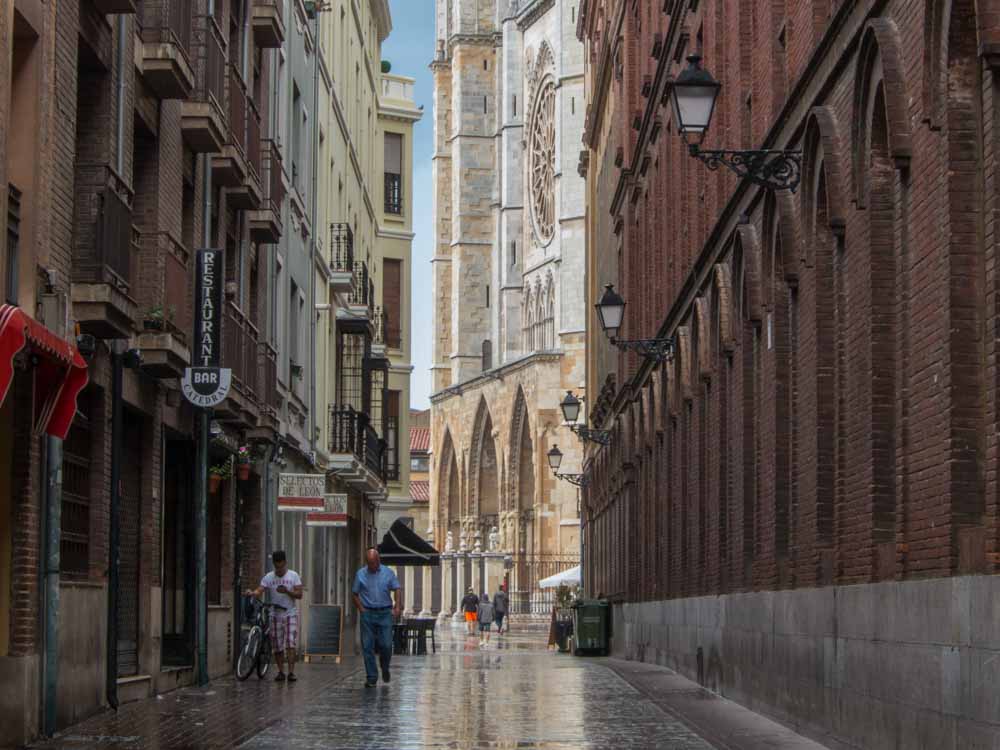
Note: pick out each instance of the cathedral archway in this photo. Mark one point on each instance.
(485, 472)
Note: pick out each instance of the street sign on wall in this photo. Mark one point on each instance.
(301, 492)
(334, 514)
(206, 384)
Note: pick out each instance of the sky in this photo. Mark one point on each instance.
(410, 49)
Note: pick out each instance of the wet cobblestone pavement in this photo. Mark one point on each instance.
(514, 694)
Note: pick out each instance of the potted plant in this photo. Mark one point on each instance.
(296, 369)
(153, 319)
(243, 463)
(217, 473)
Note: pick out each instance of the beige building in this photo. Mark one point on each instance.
(508, 282)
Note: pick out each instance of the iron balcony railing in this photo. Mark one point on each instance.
(341, 247)
(351, 432)
(363, 294)
(214, 86)
(237, 110)
(393, 193)
(168, 22)
(273, 184)
(253, 139)
(239, 351)
(107, 259)
(268, 379)
(166, 304)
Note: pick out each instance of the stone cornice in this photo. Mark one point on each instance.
(496, 374)
(532, 12)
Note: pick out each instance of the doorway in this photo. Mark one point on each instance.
(178, 554)
(129, 524)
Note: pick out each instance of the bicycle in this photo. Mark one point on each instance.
(256, 651)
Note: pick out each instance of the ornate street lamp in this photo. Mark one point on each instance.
(693, 96)
(555, 457)
(611, 311)
(571, 411)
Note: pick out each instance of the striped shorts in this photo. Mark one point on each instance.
(285, 630)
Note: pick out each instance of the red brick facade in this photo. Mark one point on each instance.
(830, 414)
(59, 141)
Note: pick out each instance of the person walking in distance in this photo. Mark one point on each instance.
(284, 588)
(376, 596)
(485, 615)
(500, 608)
(470, 605)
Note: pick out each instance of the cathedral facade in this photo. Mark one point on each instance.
(508, 280)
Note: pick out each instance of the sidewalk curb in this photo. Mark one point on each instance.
(721, 722)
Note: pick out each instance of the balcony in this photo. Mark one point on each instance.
(229, 168)
(270, 400)
(102, 256)
(393, 191)
(166, 307)
(108, 7)
(203, 117)
(357, 452)
(268, 23)
(249, 194)
(265, 222)
(342, 258)
(361, 299)
(166, 45)
(240, 353)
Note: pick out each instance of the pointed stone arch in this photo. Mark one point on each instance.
(449, 488)
(521, 456)
(484, 486)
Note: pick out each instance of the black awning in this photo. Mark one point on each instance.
(403, 546)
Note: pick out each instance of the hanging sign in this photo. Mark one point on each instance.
(334, 514)
(301, 492)
(206, 384)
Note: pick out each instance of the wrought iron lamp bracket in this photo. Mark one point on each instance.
(775, 170)
(662, 350)
(580, 480)
(602, 437)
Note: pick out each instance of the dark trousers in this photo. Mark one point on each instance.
(376, 634)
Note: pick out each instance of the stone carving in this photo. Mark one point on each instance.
(478, 541)
(449, 543)
(463, 544)
(494, 540)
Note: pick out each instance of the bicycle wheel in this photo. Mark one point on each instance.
(264, 659)
(249, 653)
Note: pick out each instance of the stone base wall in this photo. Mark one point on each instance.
(888, 665)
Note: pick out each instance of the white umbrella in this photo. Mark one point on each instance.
(570, 577)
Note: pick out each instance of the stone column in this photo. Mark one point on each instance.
(410, 606)
(426, 605)
(476, 582)
(447, 576)
(460, 586)
(494, 572)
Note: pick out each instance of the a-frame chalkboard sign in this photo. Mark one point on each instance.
(323, 637)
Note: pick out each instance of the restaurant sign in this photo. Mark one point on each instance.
(334, 513)
(301, 492)
(206, 384)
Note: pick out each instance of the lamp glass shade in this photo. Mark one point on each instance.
(570, 407)
(555, 458)
(611, 311)
(693, 97)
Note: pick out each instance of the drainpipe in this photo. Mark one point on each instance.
(117, 367)
(120, 64)
(53, 527)
(201, 460)
(312, 244)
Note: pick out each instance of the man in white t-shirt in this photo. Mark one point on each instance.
(284, 587)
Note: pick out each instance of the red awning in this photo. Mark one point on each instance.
(60, 372)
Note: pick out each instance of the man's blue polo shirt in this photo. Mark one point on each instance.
(374, 588)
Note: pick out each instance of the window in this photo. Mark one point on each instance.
(294, 310)
(393, 173)
(13, 236)
(392, 289)
(298, 120)
(74, 547)
(487, 296)
(513, 252)
(419, 464)
(487, 355)
(392, 435)
(515, 105)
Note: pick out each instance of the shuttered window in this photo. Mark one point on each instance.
(392, 286)
(393, 173)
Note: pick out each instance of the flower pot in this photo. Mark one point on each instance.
(243, 472)
(152, 325)
(214, 481)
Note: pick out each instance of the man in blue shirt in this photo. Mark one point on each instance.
(376, 595)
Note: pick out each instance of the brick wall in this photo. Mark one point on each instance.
(829, 415)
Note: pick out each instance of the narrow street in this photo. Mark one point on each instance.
(513, 694)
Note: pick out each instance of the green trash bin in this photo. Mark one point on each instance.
(591, 626)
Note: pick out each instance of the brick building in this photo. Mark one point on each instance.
(132, 134)
(800, 508)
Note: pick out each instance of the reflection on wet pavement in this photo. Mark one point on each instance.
(512, 694)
